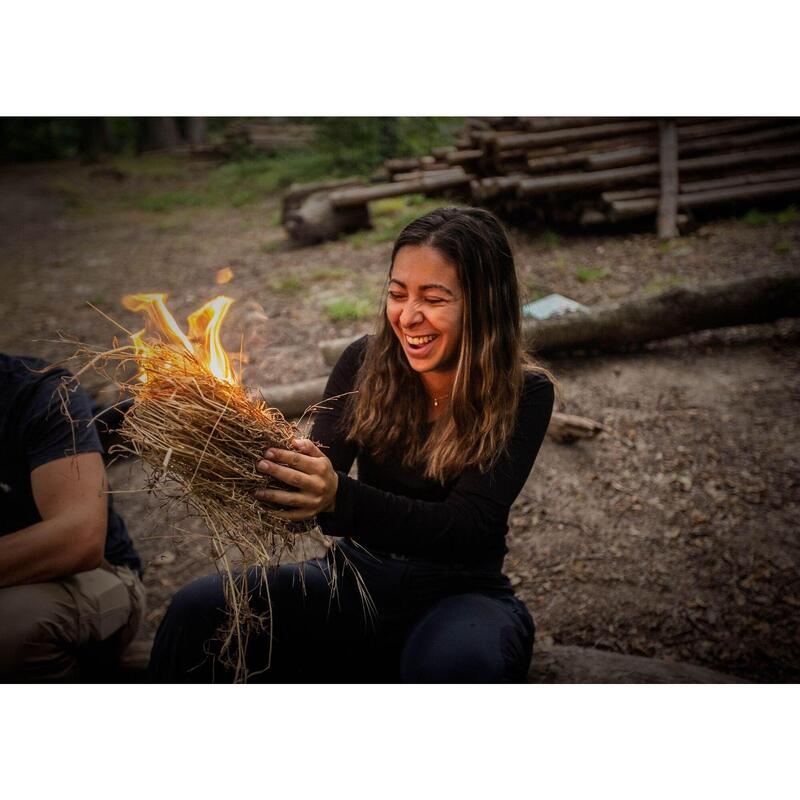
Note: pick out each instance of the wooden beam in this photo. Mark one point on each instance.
(626, 209)
(668, 163)
(527, 140)
(430, 183)
(607, 178)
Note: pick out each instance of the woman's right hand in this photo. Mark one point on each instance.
(307, 469)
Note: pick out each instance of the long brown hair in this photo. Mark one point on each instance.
(389, 411)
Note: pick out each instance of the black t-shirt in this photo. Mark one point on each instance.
(35, 431)
(396, 510)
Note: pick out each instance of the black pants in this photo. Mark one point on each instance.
(432, 623)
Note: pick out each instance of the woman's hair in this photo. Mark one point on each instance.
(389, 411)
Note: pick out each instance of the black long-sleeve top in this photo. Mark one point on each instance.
(396, 510)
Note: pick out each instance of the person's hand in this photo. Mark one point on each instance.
(309, 471)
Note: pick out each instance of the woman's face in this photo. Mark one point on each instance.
(425, 308)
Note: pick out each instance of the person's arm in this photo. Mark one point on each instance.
(469, 523)
(471, 520)
(69, 494)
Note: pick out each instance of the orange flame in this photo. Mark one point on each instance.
(224, 275)
(203, 341)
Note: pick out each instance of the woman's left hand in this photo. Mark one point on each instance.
(307, 469)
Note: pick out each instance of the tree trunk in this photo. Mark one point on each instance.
(196, 130)
(298, 192)
(317, 220)
(94, 139)
(668, 162)
(159, 133)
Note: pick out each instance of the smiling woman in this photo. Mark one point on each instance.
(445, 414)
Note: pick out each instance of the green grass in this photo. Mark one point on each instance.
(660, 283)
(169, 201)
(348, 308)
(390, 216)
(287, 283)
(330, 273)
(550, 238)
(756, 217)
(236, 183)
(159, 167)
(665, 246)
(173, 226)
(272, 245)
(787, 216)
(589, 274)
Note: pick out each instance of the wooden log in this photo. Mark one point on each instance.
(583, 154)
(294, 399)
(668, 163)
(764, 155)
(687, 187)
(567, 428)
(463, 156)
(626, 209)
(600, 156)
(444, 170)
(734, 142)
(630, 194)
(526, 140)
(623, 157)
(542, 124)
(491, 188)
(719, 304)
(743, 179)
(296, 193)
(402, 164)
(298, 399)
(345, 198)
(705, 129)
(529, 187)
(607, 178)
(569, 664)
(681, 310)
(318, 220)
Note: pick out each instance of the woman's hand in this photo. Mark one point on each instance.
(308, 470)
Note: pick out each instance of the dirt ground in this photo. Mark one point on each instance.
(674, 534)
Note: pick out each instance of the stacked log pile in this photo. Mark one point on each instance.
(267, 138)
(585, 171)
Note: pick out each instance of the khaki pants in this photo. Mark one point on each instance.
(47, 629)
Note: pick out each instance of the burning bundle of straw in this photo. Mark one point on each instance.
(195, 424)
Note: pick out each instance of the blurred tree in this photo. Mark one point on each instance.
(195, 130)
(158, 133)
(94, 138)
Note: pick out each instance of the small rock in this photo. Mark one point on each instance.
(162, 559)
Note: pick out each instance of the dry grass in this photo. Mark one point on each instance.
(206, 436)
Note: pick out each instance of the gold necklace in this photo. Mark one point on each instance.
(437, 399)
